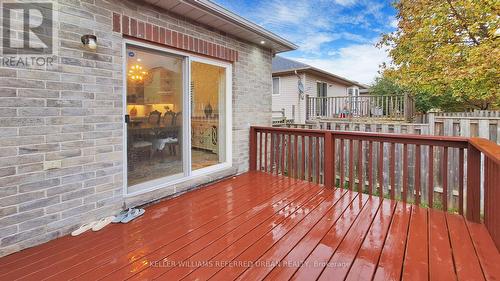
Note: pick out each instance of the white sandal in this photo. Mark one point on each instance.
(83, 228)
(100, 224)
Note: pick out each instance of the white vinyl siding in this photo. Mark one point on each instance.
(289, 94)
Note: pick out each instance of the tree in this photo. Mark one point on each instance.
(447, 48)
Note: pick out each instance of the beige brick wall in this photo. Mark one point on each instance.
(72, 112)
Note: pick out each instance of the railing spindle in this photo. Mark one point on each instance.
(273, 150)
(380, 170)
(392, 170)
(278, 153)
(351, 164)
(370, 167)
(405, 172)
(317, 160)
(417, 174)
(461, 181)
(265, 152)
(360, 166)
(328, 159)
(431, 176)
(260, 151)
(296, 156)
(283, 154)
(444, 195)
(303, 158)
(334, 158)
(342, 166)
(309, 170)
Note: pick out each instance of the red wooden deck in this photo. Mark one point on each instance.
(260, 226)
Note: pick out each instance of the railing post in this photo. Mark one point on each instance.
(253, 149)
(473, 184)
(328, 159)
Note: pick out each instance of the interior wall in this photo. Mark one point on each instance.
(206, 81)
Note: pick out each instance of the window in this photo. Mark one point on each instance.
(353, 91)
(322, 89)
(276, 86)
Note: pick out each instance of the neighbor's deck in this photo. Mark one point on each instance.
(251, 222)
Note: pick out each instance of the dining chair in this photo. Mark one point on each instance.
(168, 140)
(154, 117)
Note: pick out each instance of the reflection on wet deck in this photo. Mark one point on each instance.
(259, 226)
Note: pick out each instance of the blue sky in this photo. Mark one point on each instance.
(335, 35)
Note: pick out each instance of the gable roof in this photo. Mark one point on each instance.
(283, 66)
(210, 14)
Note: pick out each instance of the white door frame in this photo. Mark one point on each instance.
(187, 174)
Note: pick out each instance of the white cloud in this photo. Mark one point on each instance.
(355, 62)
(394, 23)
(278, 13)
(312, 43)
(345, 2)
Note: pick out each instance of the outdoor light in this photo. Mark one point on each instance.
(89, 41)
(262, 42)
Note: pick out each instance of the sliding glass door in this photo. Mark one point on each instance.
(177, 116)
(154, 115)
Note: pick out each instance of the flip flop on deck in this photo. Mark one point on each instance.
(100, 224)
(83, 228)
(118, 218)
(132, 214)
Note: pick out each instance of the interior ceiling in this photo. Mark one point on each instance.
(228, 26)
(150, 60)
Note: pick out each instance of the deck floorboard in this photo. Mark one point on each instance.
(258, 226)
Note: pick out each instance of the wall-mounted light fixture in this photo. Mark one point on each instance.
(89, 41)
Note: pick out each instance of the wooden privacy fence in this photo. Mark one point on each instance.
(474, 113)
(391, 107)
(349, 160)
(484, 127)
(480, 126)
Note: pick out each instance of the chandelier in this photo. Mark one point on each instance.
(136, 73)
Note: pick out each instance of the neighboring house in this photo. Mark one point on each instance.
(163, 104)
(314, 81)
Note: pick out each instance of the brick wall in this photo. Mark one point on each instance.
(72, 112)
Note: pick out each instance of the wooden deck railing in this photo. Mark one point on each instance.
(346, 159)
(393, 107)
